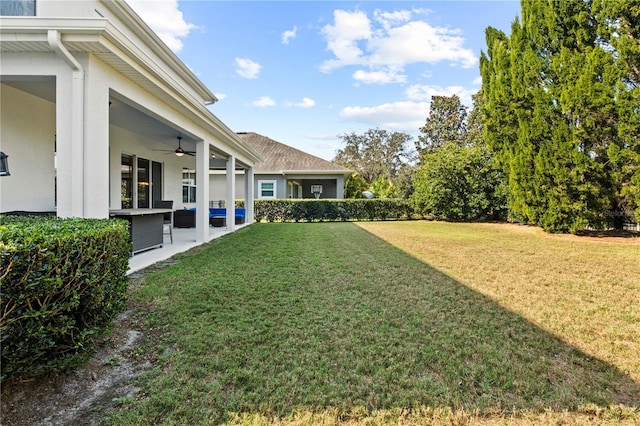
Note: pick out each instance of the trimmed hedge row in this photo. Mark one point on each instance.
(63, 282)
(333, 210)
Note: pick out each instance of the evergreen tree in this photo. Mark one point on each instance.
(554, 102)
(446, 123)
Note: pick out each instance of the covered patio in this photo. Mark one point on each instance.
(98, 115)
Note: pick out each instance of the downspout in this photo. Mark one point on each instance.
(77, 123)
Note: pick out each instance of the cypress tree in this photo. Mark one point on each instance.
(557, 101)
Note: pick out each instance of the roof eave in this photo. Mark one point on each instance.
(136, 24)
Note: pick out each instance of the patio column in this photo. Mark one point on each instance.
(248, 194)
(96, 146)
(69, 132)
(202, 191)
(340, 187)
(231, 193)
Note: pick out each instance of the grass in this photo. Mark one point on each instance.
(392, 322)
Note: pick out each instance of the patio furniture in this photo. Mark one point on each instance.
(168, 217)
(185, 218)
(218, 216)
(145, 227)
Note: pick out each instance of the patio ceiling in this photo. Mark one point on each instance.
(121, 114)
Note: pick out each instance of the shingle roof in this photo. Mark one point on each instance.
(279, 157)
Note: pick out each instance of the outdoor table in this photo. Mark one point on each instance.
(145, 227)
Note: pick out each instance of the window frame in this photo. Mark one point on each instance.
(189, 184)
(274, 189)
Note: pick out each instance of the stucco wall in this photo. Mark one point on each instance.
(218, 187)
(27, 136)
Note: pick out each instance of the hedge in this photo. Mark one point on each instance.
(63, 282)
(282, 210)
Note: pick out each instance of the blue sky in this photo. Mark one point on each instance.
(305, 72)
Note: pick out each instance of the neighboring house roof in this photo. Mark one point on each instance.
(281, 158)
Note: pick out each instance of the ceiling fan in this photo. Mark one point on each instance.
(179, 151)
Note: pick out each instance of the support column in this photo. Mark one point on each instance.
(249, 194)
(69, 132)
(340, 187)
(231, 193)
(202, 191)
(96, 146)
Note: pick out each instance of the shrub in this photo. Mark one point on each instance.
(310, 210)
(459, 183)
(63, 281)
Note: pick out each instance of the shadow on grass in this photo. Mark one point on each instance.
(333, 318)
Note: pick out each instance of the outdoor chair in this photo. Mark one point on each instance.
(168, 217)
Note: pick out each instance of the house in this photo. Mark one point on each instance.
(98, 115)
(287, 172)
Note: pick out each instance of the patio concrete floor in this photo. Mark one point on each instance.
(183, 240)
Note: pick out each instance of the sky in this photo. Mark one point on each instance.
(306, 72)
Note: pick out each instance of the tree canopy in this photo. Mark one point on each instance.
(457, 179)
(562, 111)
(379, 157)
(375, 153)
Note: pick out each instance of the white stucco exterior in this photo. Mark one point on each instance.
(83, 83)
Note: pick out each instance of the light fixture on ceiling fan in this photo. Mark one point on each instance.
(179, 152)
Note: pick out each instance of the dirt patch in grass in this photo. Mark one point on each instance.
(82, 396)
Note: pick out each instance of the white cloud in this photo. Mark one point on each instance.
(247, 68)
(343, 36)
(379, 77)
(417, 41)
(404, 116)
(220, 96)
(306, 103)
(388, 19)
(477, 81)
(165, 19)
(420, 92)
(263, 102)
(289, 35)
(391, 42)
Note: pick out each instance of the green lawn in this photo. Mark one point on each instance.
(388, 322)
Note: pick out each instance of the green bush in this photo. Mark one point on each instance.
(332, 210)
(63, 282)
(460, 183)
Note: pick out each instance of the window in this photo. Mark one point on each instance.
(143, 183)
(295, 189)
(126, 179)
(18, 8)
(156, 181)
(267, 189)
(188, 186)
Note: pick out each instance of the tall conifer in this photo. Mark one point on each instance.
(559, 94)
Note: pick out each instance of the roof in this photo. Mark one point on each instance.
(279, 158)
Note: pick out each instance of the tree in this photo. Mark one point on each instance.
(555, 92)
(621, 31)
(446, 123)
(457, 179)
(355, 186)
(375, 153)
